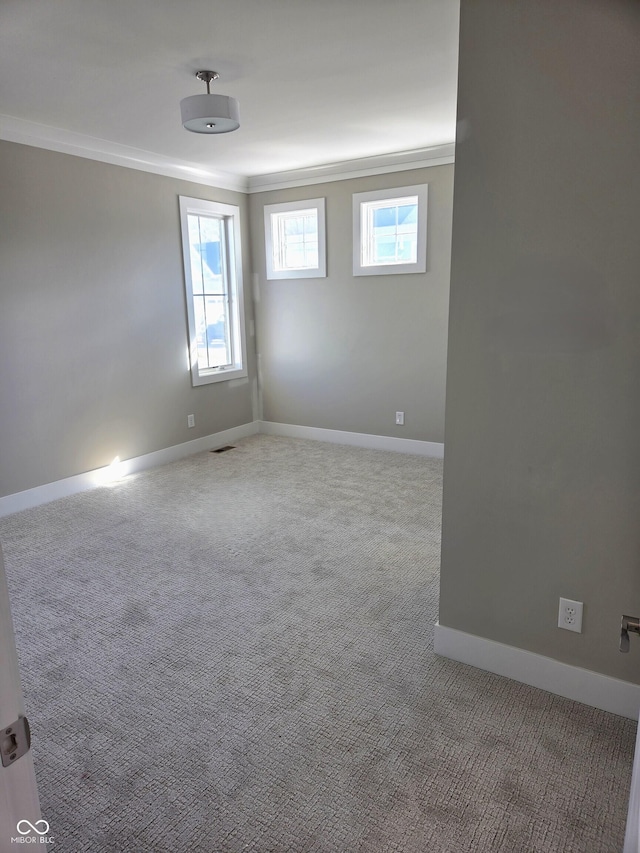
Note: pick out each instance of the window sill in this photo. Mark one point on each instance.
(390, 269)
(207, 377)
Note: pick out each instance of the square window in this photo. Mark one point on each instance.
(390, 231)
(295, 239)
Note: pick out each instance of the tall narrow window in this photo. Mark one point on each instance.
(213, 284)
(390, 231)
(295, 239)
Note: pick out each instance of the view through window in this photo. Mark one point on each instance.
(294, 235)
(210, 290)
(213, 282)
(390, 231)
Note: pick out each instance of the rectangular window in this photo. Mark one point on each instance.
(213, 286)
(390, 231)
(295, 239)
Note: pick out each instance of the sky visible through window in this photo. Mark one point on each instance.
(390, 231)
(295, 239)
(210, 290)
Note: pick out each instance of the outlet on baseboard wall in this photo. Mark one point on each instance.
(191, 421)
(400, 418)
(570, 615)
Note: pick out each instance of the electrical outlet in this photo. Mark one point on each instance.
(570, 615)
(400, 418)
(191, 421)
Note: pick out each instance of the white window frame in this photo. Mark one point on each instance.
(230, 216)
(359, 222)
(316, 204)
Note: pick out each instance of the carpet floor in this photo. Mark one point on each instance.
(234, 652)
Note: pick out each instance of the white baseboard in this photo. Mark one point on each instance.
(356, 439)
(572, 682)
(109, 474)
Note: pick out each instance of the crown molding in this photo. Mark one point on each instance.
(437, 155)
(38, 135)
(32, 133)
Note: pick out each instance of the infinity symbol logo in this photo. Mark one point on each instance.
(32, 827)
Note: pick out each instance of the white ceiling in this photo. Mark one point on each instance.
(318, 81)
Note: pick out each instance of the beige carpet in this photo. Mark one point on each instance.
(234, 653)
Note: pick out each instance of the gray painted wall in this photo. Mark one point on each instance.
(93, 319)
(542, 460)
(347, 353)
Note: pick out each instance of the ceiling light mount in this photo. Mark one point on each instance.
(207, 77)
(209, 113)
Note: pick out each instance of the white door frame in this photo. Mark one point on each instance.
(632, 836)
(18, 791)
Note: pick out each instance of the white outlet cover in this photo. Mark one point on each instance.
(570, 615)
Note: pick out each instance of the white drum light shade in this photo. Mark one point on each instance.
(210, 113)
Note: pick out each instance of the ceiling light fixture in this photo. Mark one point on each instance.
(209, 113)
